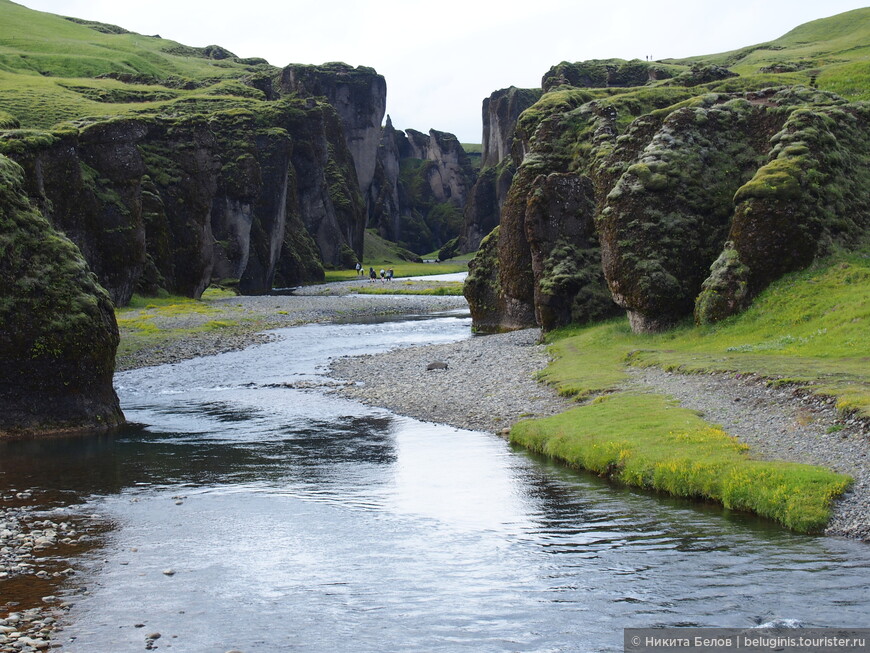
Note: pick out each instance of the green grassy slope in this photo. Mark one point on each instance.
(50, 69)
(808, 328)
(833, 53)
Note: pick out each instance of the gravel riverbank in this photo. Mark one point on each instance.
(488, 384)
(249, 318)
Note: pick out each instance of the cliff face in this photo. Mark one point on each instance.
(498, 163)
(58, 336)
(258, 197)
(421, 185)
(359, 95)
(695, 205)
(501, 110)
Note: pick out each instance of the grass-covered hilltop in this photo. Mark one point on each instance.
(702, 215)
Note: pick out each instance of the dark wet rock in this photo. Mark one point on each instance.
(59, 335)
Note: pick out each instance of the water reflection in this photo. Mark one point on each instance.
(312, 523)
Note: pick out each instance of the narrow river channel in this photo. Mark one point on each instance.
(293, 520)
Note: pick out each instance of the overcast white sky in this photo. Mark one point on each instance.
(441, 58)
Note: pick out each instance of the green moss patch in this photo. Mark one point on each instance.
(645, 441)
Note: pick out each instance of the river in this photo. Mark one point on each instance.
(293, 520)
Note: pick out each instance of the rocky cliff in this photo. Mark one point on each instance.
(665, 201)
(58, 336)
(359, 95)
(258, 192)
(420, 188)
(501, 110)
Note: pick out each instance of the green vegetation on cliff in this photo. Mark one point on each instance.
(167, 163)
(710, 177)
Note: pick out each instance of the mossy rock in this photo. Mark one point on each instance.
(809, 198)
(482, 288)
(59, 335)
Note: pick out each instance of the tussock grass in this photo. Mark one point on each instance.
(647, 442)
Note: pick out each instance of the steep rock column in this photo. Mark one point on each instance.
(455, 175)
(501, 110)
(329, 201)
(239, 184)
(183, 170)
(384, 207)
(274, 149)
(359, 95)
(516, 278)
(58, 334)
(482, 288)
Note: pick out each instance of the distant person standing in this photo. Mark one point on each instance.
(372, 275)
(359, 269)
(390, 274)
(383, 275)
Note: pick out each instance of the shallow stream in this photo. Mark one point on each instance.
(295, 520)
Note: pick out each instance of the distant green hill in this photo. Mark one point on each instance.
(54, 69)
(830, 53)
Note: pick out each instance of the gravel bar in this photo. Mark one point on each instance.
(255, 315)
(781, 423)
(489, 384)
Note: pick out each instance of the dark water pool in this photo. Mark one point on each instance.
(297, 521)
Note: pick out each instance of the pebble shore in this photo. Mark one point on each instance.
(489, 384)
(29, 549)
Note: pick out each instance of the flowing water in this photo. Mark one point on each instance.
(297, 521)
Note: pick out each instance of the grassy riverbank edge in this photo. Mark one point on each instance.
(809, 330)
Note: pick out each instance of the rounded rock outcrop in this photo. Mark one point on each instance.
(59, 335)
